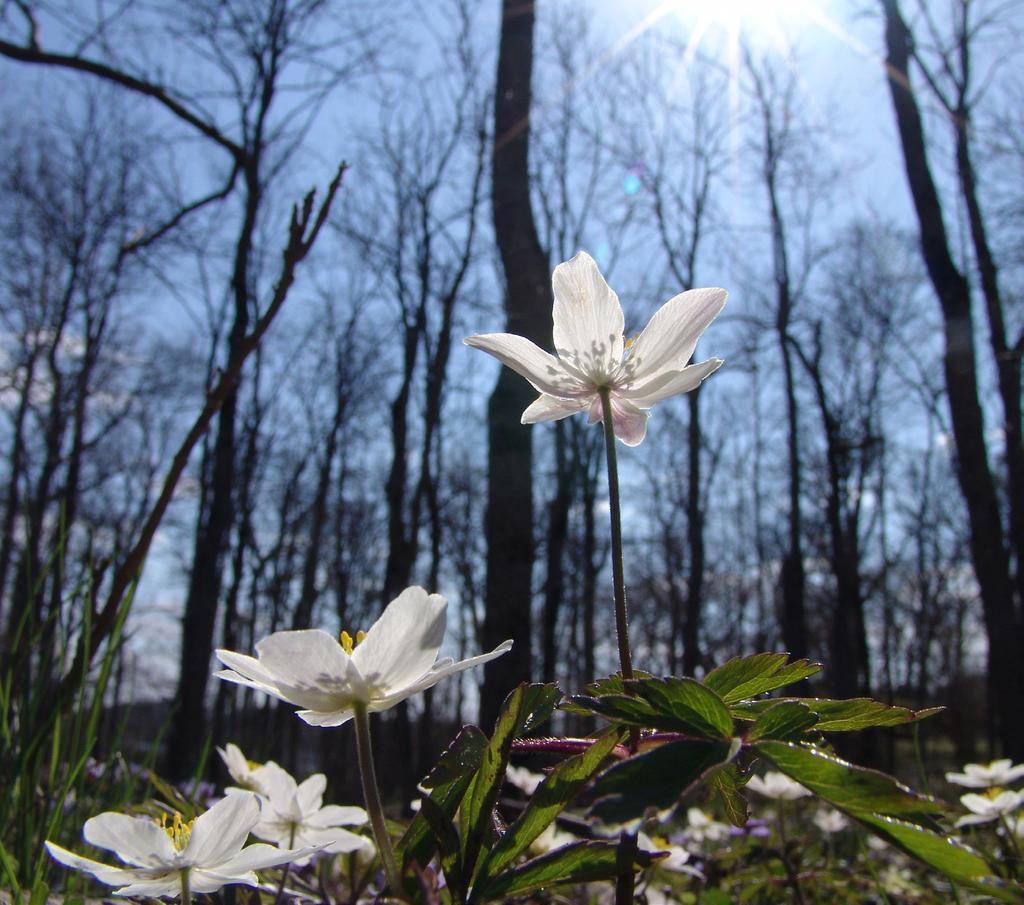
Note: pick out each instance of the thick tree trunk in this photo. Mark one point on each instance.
(988, 544)
(694, 540)
(188, 728)
(509, 519)
(558, 529)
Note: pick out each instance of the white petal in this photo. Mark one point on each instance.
(310, 793)
(207, 881)
(135, 840)
(326, 717)
(628, 421)
(671, 335)
(258, 856)
(153, 887)
(105, 873)
(275, 783)
(219, 833)
(551, 408)
(436, 675)
(669, 383)
(310, 668)
(587, 316)
(971, 819)
(246, 670)
(337, 815)
(330, 839)
(236, 763)
(542, 369)
(402, 645)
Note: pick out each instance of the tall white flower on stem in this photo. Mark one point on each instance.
(593, 354)
(177, 860)
(328, 677)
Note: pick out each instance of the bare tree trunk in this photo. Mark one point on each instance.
(558, 529)
(509, 519)
(216, 520)
(987, 541)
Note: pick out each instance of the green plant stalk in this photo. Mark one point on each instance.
(1012, 848)
(618, 575)
(792, 877)
(287, 868)
(371, 797)
(625, 883)
(186, 887)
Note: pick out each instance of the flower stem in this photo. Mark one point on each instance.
(287, 869)
(371, 796)
(618, 576)
(186, 887)
(625, 882)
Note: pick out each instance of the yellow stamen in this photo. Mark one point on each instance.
(630, 340)
(348, 643)
(179, 831)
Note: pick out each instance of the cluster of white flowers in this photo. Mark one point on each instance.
(169, 856)
(333, 680)
(995, 802)
(159, 860)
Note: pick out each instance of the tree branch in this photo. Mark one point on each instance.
(301, 236)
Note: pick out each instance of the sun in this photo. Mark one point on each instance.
(724, 23)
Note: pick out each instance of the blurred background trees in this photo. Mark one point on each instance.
(848, 487)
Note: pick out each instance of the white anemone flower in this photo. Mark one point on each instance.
(982, 776)
(778, 786)
(293, 814)
(985, 808)
(677, 855)
(593, 354)
(206, 853)
(524, 780)
(328, 677)
(830, 821)
(250, 775)
(702, 828)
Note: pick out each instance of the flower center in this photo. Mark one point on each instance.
(179, 831)
(348, 643)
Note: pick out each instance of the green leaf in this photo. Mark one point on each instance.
(694, 708)
(448, 849)
(746, 677)
(856, 790)
(623, 708)
(448, 782)
(580, 862)
(957, 861)
(462, 758)
(657, 778)
(840, 716)
(726, 783)
(524, 708)
(609, 685)
(559, 788)
(786, 721)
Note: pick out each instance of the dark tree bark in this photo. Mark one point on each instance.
(557, 534)
(509, 519)
(987, 542)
